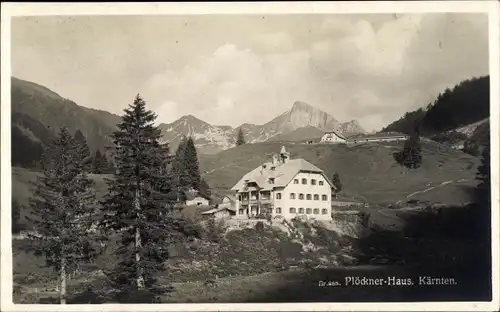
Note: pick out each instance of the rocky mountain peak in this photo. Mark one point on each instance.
(300, 105)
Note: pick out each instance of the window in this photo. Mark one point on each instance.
(241, 211)
(320, 182)
(301, 196)
(292, 210)
(308, 196)
(292, 195)
(278, 210)
(296, 181)
(316, 197)
(324, 211)
(324, 197)
(278, 195)
(316, 210)
(304, 181)
(301, 210)
(308, 211)
(313, 182)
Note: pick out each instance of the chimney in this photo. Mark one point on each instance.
(284, 155)
(275, 160)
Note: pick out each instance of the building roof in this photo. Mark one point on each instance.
(191, 197)
(337, 134)
(211, 211)
(381, 135)
(282, 174)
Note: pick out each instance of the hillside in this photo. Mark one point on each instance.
(367, 171)
(51, 110)
(301, 134)
(453, 116)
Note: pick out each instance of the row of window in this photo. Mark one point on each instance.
(306, 210)
(307, 196)
(304, 181)
(299, 211)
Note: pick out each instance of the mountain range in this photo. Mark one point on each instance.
(301, 118)
(37, 113)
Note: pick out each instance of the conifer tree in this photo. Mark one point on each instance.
(80, 138)
(192, 166)
(100, 163)
(180, 174)
(135, 205)
(241, 138)
(97, 162)
(64, 209)
(336, 182)
(411, 156)
(205, 189)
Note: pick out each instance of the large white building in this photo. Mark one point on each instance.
(284, 187)
(333, 137)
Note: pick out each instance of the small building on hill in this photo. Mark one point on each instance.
(378, 137)
(196, 201)
(219, 213)
(284, 188)
(333, 137)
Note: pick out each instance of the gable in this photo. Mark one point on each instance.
(321, 173)
(264, 178)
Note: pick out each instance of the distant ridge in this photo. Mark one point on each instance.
(39, 107)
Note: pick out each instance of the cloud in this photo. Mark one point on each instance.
(229, 70)
(352, 75)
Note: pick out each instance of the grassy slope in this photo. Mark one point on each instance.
(23, 183)
(367, 171)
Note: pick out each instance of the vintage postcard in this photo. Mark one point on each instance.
(286, 156)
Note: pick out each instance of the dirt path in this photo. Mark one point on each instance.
(430, 189)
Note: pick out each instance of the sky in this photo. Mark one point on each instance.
(234, 69)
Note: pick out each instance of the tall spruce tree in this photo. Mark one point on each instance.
(241, 138)
(205, 189)
(192, 165)
(80, 138)
(135, 205)
(336, 182)
(64, 209)
(180, 175)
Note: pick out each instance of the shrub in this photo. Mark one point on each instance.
(259, 226)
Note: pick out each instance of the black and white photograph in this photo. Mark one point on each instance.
(295, 160)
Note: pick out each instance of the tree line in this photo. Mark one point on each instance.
(466, 103)
(71, 226)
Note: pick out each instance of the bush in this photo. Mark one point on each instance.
(452, 137)
(259, 226)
